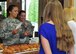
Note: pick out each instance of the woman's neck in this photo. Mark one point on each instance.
(51, 22)
(11, 17)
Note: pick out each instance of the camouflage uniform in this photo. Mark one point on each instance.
(8, 25)
(26, 26)
(1, 19)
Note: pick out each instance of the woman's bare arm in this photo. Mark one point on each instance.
(45, 45)
(71, 50)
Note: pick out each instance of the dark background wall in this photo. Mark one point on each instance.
(2, 0)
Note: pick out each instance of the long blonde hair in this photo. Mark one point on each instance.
(54, 11)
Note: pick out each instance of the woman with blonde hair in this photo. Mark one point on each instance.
(55, 35)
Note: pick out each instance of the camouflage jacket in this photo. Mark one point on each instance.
(7, 26)
(26, 26)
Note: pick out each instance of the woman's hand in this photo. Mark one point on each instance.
(27, 33)
(14, 31)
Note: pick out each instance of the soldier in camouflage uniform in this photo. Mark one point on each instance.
(8, 31)
(27, 28)
(1, 19)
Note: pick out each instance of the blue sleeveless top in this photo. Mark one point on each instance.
(48, 31)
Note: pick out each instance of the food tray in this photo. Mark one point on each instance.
(26, 52)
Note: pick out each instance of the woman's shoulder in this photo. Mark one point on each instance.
(27, 21)
(46, 24)
(17, 20)
(42, 25)
(6, 20)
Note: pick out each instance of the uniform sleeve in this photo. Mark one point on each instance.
(2, 29)
(42, 31)
(4, 33)
(18, 26)
(29, 27)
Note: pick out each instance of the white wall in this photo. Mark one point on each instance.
(75, 3)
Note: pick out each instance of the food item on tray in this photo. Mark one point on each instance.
(35, 47)
(23, 47)
(7, 50)
(11, 48)
(20, 48)
(16, 48)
